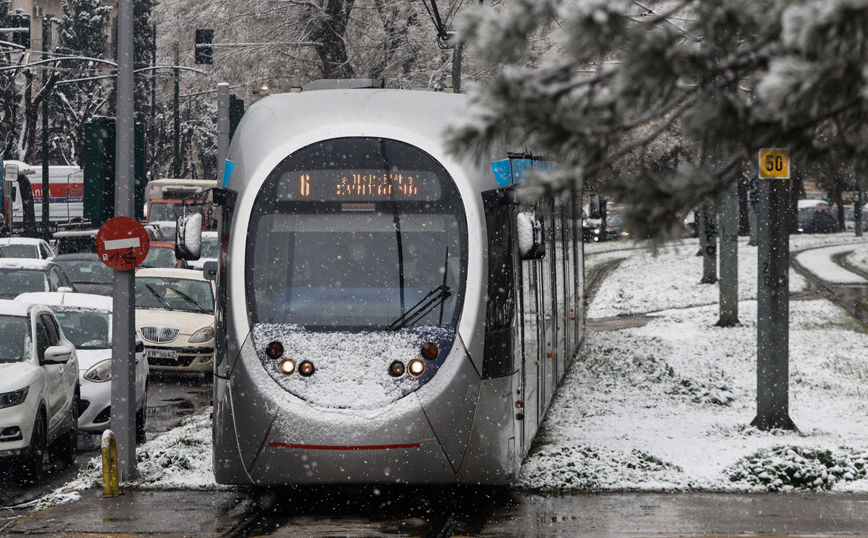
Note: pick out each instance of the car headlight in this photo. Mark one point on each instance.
(202, 335)
(16, 397)
(100, 372)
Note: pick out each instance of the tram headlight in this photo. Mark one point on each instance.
(306, 369)
(430, 350)
(274, 350)
(396, 369)
(416, 367)
(287, 367)
(202, 335)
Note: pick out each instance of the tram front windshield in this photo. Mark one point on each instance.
(356, 234)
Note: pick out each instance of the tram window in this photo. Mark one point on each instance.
(500, 301)
(327, 264)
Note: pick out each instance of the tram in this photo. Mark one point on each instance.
(387, 313)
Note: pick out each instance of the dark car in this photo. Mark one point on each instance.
(19, 276)
(817, 220)
(72, 242)
(86, 272)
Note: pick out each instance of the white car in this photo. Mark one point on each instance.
(175, 319)
(25, 247)
(86, 321)
(39, 390)
(19, 276)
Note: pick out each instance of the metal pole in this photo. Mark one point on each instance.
(46, 187)
(729, 258)
(176, 168)
(123, 319)
(773, 301)
(222, 128)
(153, 145)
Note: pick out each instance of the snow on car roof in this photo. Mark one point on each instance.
(170, 273)
(78, 300)
(28, 264)
(11, 307)
(20, 241)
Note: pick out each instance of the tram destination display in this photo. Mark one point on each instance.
(359, 185)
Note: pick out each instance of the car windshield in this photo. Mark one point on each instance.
(166, 293)
(159, 257)
(14, 282)
(86, 271)
(85, 328)
(20, 251)
(14, 338)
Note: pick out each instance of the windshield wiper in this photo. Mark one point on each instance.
(189, 299)
(422, 308)
(158, 296)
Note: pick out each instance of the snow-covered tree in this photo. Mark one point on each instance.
(628, 80)
(82, 31)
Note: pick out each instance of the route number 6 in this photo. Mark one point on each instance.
(774, 163)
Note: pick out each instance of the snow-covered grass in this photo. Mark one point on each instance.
(648, 282)
(668, 406)
(177, 459)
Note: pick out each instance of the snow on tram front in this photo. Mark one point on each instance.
(353, 293)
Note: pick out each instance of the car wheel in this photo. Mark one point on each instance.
(141, 415)
(31, 470)
(65, 448)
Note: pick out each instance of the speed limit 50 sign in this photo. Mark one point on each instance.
(774, 163)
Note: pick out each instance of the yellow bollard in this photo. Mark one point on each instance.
(110, 479)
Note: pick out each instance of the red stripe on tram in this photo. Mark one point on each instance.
(343, 447)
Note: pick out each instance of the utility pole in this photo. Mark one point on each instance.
(222, 129)
(773, 294)
(46, 184)
(153, 133)
(176, 166)
(123, 394)
(457, 57)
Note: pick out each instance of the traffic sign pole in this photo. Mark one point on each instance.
(773, 295)
(123, 319)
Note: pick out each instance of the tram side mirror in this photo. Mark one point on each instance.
(595, 206)
(10, 172)
(209, 270)
(188, 237)
(531, 243)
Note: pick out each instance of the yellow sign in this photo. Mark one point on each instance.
(774, 163)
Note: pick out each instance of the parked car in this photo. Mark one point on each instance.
(19, 276)
(39, 390)
(161, 254)
(175, 319)
(26, 247)
(77, 241)
(86, 321)
(86, 272)
(850, 218)
(817, 220)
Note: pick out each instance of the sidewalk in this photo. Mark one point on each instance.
(169, 514)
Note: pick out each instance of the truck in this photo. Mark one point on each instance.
(164, 199)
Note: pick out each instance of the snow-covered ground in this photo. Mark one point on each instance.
(179, 459)
(668, 406)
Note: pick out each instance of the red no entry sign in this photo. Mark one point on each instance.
(122, 243)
